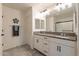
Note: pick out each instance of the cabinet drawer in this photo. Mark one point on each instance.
(37, 36)
(45, 52)
(46, 38)
(45, 47)
(45, 43)
(67, 43)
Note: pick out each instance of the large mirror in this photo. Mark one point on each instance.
(65, 26)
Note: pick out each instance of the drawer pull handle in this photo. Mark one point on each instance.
(45, 44)
(59, 48)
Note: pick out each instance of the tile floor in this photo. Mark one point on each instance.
(24, 50)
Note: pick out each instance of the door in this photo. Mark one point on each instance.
(67, 51)
(38, 42)
(0, 29)
(53, 49)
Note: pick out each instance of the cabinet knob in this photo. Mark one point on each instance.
(37, 41)
(57, 48)
(2, 44)
(2, 34)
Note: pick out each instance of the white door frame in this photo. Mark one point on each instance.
(77, 18)
(0, 29)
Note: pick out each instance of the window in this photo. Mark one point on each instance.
(42, 24)
(39, 24)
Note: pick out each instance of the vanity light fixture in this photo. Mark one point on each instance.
(62, 6)
(43, 11)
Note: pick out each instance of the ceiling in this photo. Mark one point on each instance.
(24, 6)
(20, 6)
(41, 7)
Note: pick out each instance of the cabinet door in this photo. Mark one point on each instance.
(36, 43)
(40, 44)
(67, 51)
(53, 49)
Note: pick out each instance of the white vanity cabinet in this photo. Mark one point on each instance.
(54, 46)
(41, 44)
(66, 50)
(38, 42)
(59, 47)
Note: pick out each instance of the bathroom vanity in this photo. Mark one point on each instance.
(52, 44)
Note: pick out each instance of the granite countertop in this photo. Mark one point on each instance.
(68, 36)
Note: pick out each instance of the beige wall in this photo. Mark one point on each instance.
(64, 17)
(0, 29)
(28, 26)
(50, 26)
(37, 15)
(8, 15)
